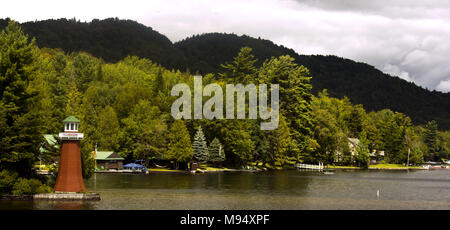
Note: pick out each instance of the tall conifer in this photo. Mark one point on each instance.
(201, 152)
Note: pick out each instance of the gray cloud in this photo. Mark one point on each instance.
(409, 39)
(389, 8)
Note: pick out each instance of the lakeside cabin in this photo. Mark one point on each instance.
(376, 156)
(107, 160)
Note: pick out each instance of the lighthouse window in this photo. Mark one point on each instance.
(67, 126)
(72, 126)
(76, 126)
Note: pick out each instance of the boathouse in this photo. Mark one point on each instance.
(108, 160)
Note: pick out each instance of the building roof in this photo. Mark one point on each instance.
(374, 153)
(50, 138)
(51, 141)
(71, 119)
(107, 155)
(354, 141)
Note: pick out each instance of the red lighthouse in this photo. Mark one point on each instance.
(69, 174)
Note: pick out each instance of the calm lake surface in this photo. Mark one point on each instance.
(345, 189)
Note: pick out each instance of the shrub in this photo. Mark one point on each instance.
(7, 180)
(29, 186)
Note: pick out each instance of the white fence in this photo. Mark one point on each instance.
(308, 166)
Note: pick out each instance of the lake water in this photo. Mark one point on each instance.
(345, 189)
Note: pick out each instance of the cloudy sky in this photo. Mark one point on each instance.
(406, 38)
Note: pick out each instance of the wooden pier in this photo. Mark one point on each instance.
(309, 166)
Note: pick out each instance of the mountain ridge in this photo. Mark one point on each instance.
(360, 82)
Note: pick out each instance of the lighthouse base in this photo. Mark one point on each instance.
(69, 173)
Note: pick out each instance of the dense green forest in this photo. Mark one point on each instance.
(125, 107)
(114, 39)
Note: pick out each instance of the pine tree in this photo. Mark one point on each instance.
(430, 139)
(199, 146)
(295, 98)
(159, 83)
(20, 128)
(73, 101)
(216, 151)
(242, 69)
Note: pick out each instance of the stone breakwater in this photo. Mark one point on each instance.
(68, 196)
(55, 197)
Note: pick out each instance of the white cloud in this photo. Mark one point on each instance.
(408, 38)
(396, 71)
(444, 86)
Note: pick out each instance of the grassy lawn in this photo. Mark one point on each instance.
(164, 170)
(378, 166)
(208, 167)
(44, 167)
(393, 166)
(205, 167)
(341, 167)
(267, 166)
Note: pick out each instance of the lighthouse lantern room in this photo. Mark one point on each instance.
(71, 129)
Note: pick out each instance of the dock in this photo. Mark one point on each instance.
(309, 166)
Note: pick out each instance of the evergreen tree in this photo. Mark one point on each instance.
(159, 84)
(20, 127)
(87, 163)
(85, 69)
(73, 101)
(354, 120)
(179, 148)
(199, 146)
(430, 139)
(295, 97)
(242, 69)
(216, 152)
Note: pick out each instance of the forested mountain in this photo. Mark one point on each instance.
(111, 39)
(114, 39)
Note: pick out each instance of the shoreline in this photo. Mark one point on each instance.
(347, 168)
(200, 171)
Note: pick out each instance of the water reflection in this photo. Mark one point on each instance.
(355, 189)
(63, 205)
